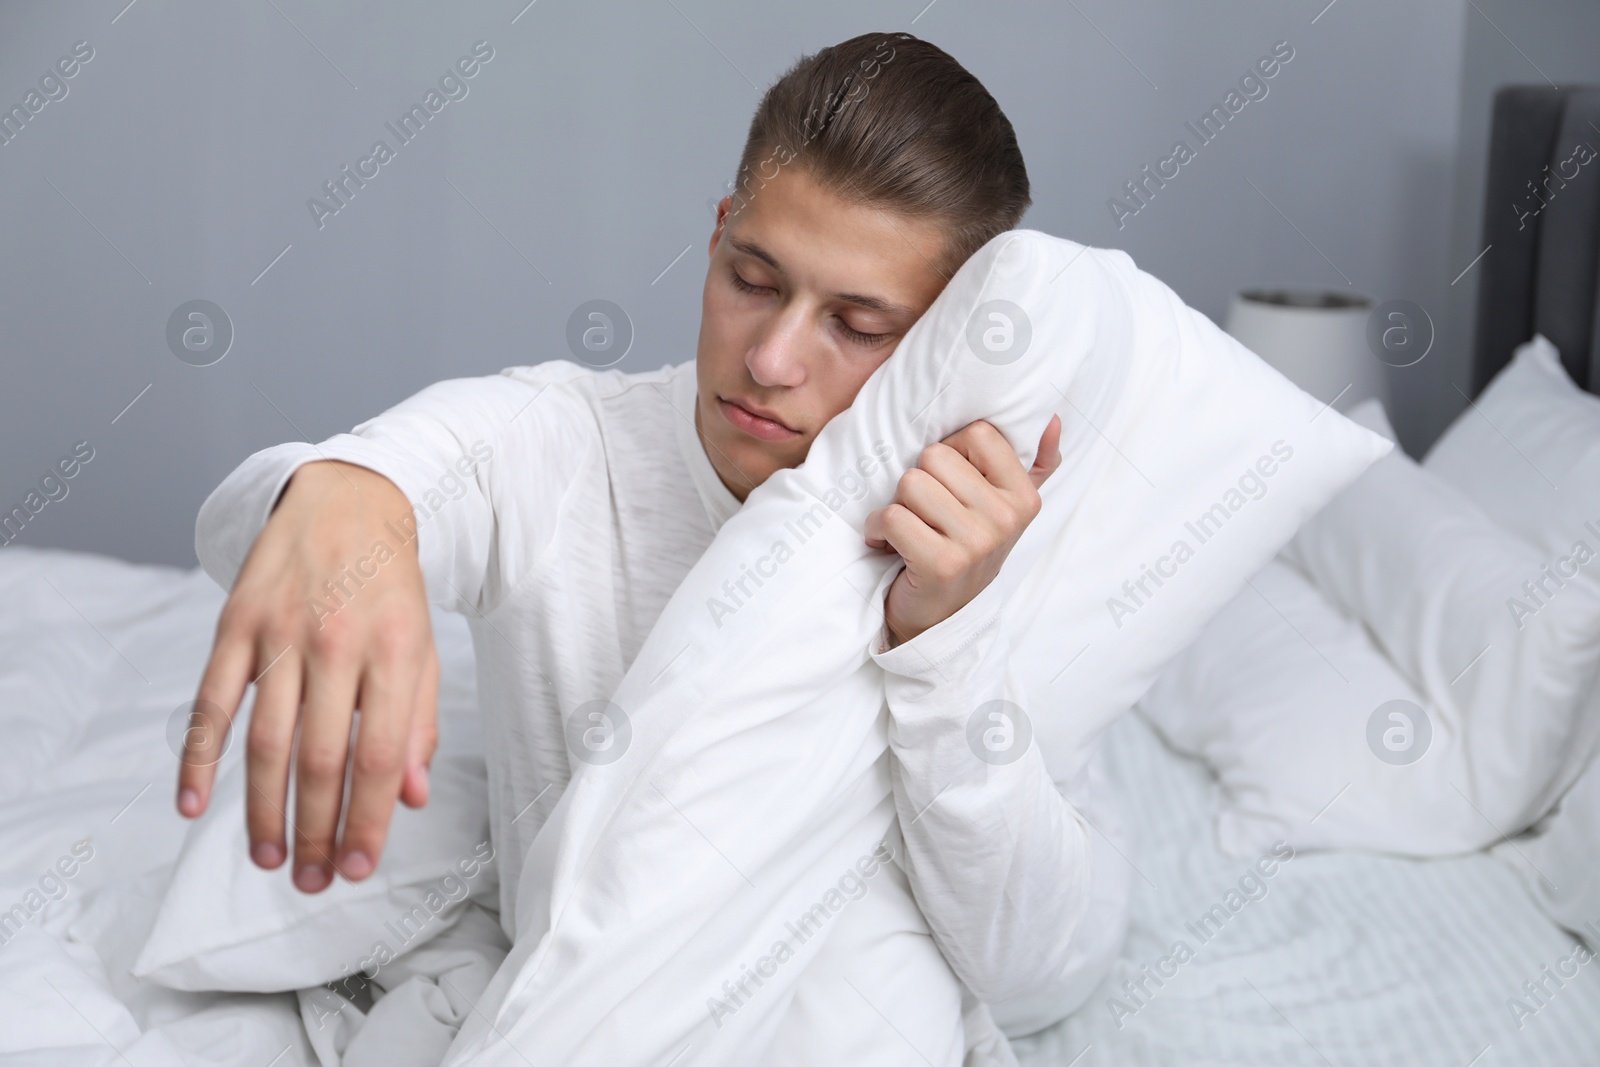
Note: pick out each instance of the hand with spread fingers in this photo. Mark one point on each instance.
(313, 670)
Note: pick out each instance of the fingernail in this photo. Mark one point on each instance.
(355, 865)
(267, 854)
(189, 802)
(311, 879)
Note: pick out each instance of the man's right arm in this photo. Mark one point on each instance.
(332, 553)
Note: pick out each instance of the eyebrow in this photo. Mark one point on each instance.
(750, 248)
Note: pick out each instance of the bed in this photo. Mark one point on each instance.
(1341, 958)
(1346, 958)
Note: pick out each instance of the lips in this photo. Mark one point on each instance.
(755, 421)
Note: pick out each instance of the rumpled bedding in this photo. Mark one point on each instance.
(1347, 959)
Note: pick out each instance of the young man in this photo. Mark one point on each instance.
(558, 508)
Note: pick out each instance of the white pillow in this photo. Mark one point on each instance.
(1290, 702)
(226, 924)
(1209, 461)
(1528, 451)
(1315, 734)
(1442, 588)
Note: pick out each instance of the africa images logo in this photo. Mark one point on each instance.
(1253, 86)
(453, 85)
(1253, 484)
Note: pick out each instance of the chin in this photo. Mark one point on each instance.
(755, 460)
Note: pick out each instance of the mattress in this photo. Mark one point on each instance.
(1329, 959)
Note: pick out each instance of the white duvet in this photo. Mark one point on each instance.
(1368, 959)
(754, 782)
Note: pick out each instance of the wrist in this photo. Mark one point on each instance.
(929, 651)
(325, 491)
(892, 637)
(322, 478)
(895, 636)
(335, 472)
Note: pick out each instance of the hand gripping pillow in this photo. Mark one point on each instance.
(750, 774)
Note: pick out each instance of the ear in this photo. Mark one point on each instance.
(723, 206)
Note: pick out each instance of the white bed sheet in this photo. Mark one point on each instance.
(1347, 959)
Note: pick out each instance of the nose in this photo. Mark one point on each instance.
(778, 357)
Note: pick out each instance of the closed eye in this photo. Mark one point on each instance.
(862, 338)
(868, 339)
(745, 286)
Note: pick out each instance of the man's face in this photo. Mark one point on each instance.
(832, 287)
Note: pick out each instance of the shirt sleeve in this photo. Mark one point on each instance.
(454, 449)
(998, 859)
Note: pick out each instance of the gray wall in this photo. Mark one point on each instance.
(580, 164)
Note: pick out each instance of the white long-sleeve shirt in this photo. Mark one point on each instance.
(558, 507)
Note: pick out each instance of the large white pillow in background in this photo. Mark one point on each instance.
(1443, 589)
(1290, 703)
(1528, 451)
(1318, 738)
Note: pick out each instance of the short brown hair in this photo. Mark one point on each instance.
(892, 121)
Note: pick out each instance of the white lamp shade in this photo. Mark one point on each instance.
(1315, 338)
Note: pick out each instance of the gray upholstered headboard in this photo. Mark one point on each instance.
(1542, 218)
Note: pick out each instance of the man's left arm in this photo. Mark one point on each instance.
(999, 860)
